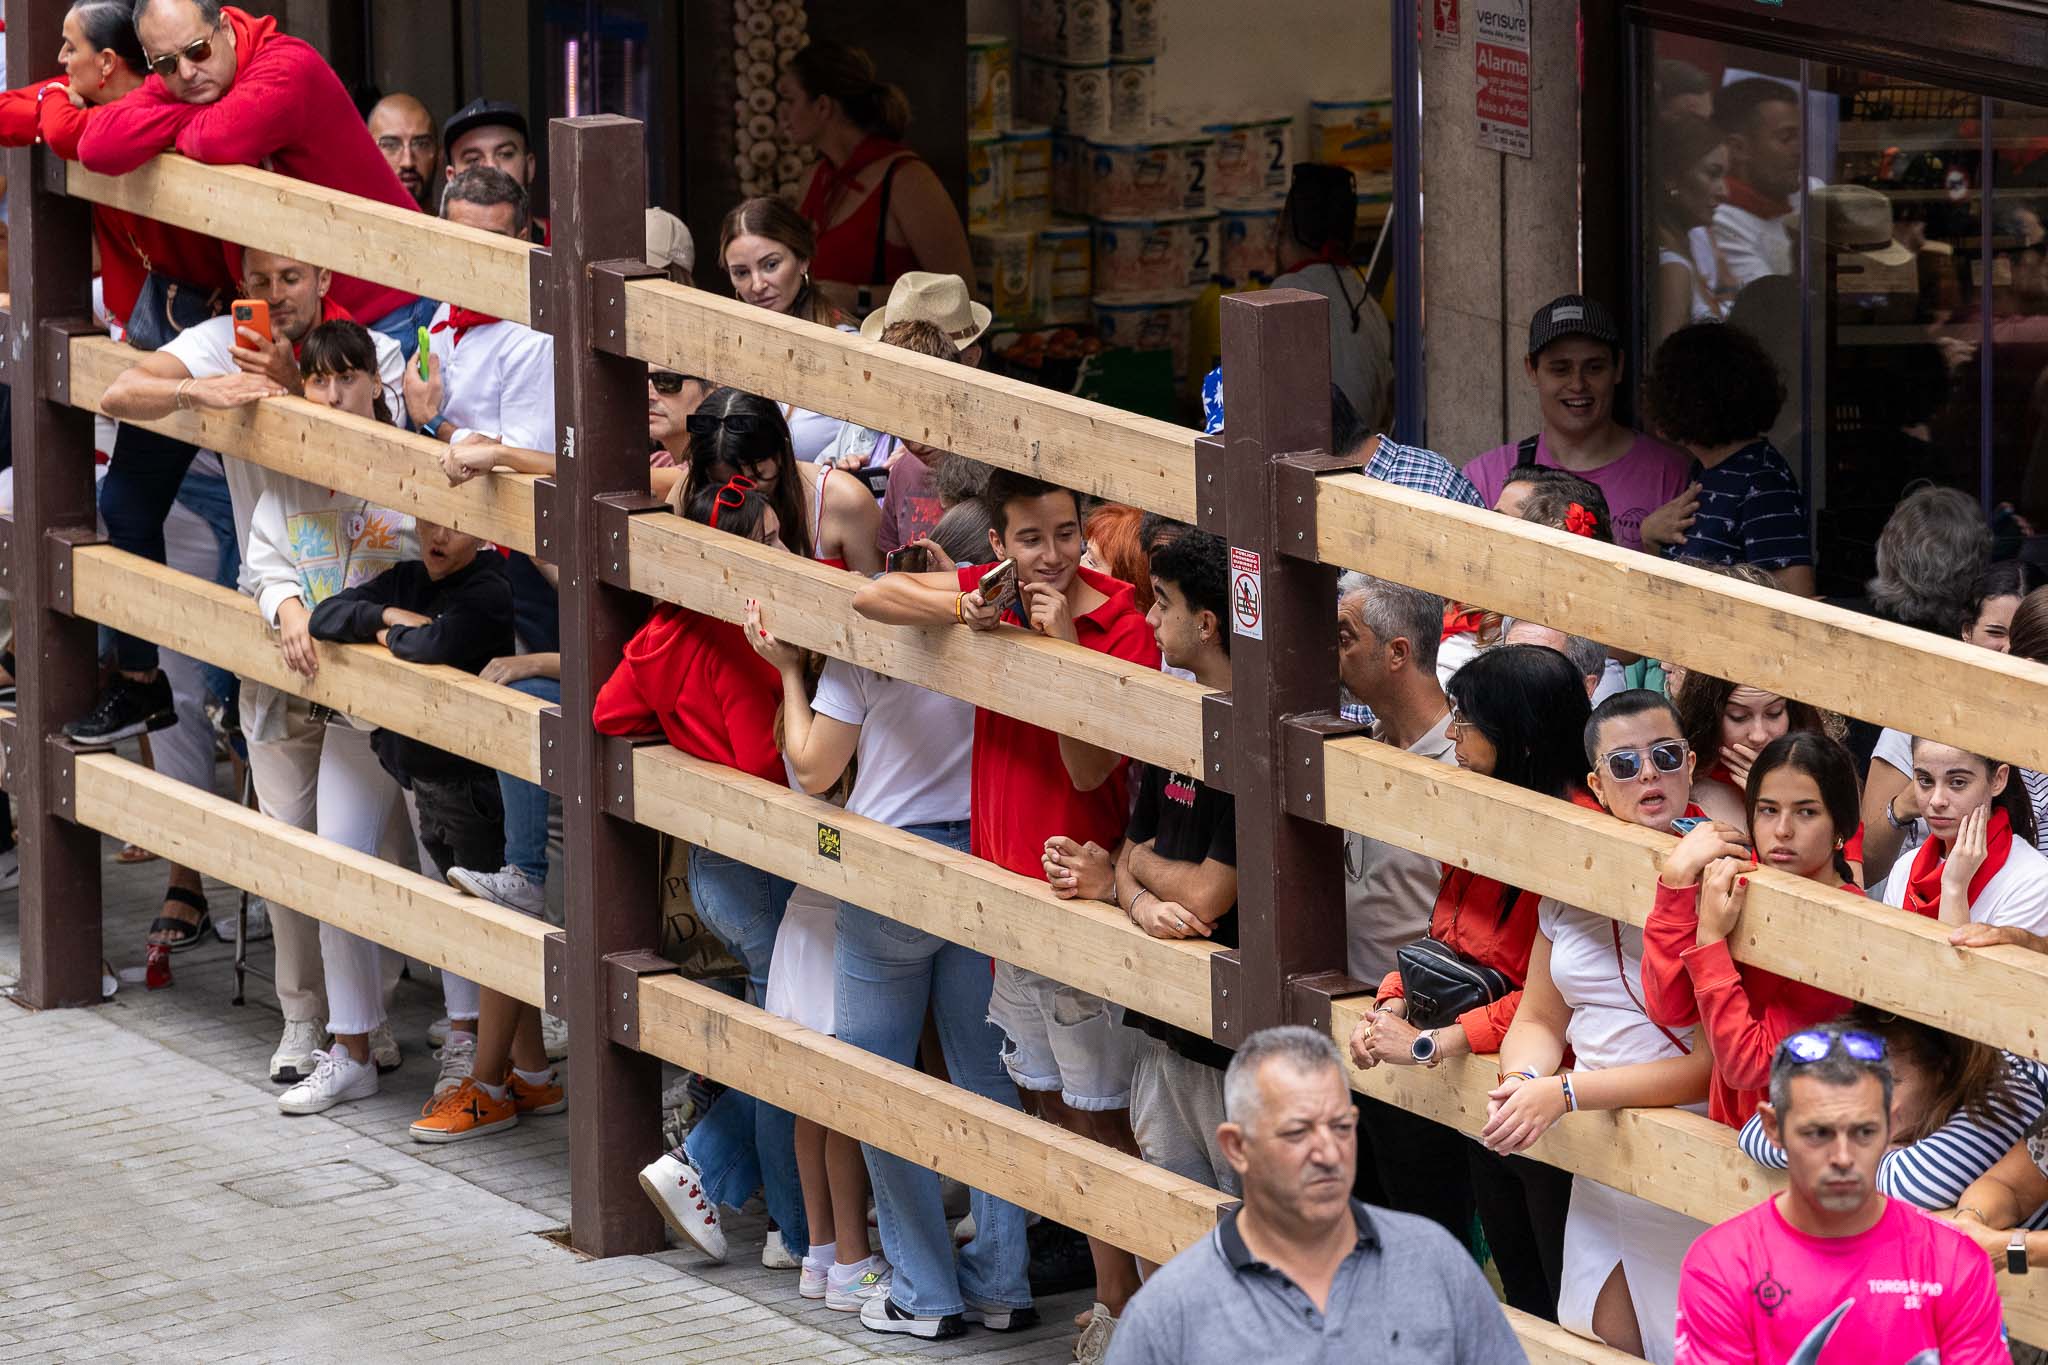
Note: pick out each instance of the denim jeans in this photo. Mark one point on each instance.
(403, 325)
(741, 1144)
(888, 973)
(526, 805)
(142, 481)
(206, 497)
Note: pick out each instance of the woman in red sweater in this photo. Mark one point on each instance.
(1518, 713)
(1802, 806)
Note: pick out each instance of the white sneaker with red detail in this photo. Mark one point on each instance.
(673, 1185)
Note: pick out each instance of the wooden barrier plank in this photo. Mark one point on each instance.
(498, 948)
(398, 247)
(1144, 713)
(457, 711)
(1548, 1344)
(917, 882)
(373, 460)
(1858, 665)
(1096, 449)
(1832, 939)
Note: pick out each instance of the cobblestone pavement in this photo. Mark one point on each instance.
(155, 1205)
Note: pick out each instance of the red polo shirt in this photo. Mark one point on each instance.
(1021, 793)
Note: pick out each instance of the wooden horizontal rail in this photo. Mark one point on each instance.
(402, 248)
(359, 892)
(1888, 674)
(1836, 940)
(374, 460)
(1546, 1343)
(1144, 713)
(456, 711)
(1096, 449)
(917, 882)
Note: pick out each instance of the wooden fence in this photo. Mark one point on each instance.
(1273, 742)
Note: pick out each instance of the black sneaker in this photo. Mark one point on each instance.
(880, 1314)
(126, 709)
(1002, 1319)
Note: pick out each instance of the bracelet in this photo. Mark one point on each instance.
(1975, 1213)
(1890, 818)
(1571, 1101)
(178, 398)
(959, 602)
(1526, 1073)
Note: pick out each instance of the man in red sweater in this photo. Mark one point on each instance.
(230, 90)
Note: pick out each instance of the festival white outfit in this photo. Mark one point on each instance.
(2016, 895)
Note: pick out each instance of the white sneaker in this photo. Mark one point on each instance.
(10, 869)
(963, 1231)
(336, 1077)
(259, 924)
(852, 1296)
(774, 1254)
(293, 1060)
(1093, 1347)
(508, 886)
(458, 1060)
(384, 1050)
(437, 1032)
(554, 1036)
(673, 1185)
(811, 1283)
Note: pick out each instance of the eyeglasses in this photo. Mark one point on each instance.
(197, 52)
(733, 495)
(1817, 1045)
(1461, 721)
(1626, 765)
(392, 146)
(669, 382)
(709, 424)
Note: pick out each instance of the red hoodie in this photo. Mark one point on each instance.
(699, 680)
(1747, 1011)
(130, 245)
(286, 112)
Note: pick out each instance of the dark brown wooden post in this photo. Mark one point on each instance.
(1255, 484)
(56, 657)
(599, 171)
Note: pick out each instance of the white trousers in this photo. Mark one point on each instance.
(355, 804)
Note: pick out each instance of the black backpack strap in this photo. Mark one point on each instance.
(882, 222)
(1525, 452)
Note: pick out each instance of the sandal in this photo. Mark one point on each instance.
(130, 853)
(184, 933)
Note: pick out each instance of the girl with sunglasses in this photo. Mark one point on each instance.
(1518, 713)
(824, 514)
(1801, 810)
(1979, 864)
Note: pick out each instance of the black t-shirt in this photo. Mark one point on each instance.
(1187, 823)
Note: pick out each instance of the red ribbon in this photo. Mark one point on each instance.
(460, 320)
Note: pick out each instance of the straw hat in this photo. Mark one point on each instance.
(921, 296)
(1858, 219)
(669, 242)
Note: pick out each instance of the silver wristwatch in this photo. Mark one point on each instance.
(1423, 1049)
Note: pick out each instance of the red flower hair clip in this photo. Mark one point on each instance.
(1579, 521)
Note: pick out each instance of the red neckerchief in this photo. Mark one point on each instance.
(460, 320)
(1745, 196)
(330, 311)
(1462, 620)
(1923, 880)
(833, 181)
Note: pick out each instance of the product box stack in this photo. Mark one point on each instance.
(1358, 134)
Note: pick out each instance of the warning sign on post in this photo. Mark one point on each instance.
(1443, 22)
(1500, 29)
(1247, 606)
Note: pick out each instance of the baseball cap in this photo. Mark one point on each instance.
(669, 242)
(1573, 315)
(484, 114)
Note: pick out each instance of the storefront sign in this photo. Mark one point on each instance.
(1501, 30)
(1443, 23)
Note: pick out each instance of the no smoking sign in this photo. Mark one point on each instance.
(1247, 605)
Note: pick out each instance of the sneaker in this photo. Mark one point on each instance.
(336, 1077)
(1008, 1319)
(384, 1050)
(293, 1060)
(673, 1185)
(437, 1033)
(812, 1281)
(775, 1253)
(126, 709)
(554, 1036)
(963, 1231)
(853, 1295)
(508, 886)
(259, 923)
(458, 1059)
(880, 1314)
(1093, 1347)
(537, 1099)
(465, 1112)
(10, 869)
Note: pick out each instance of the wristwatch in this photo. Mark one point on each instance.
(1893, 820)
(432, 426)
(2016, 1252)
(1423, 1049)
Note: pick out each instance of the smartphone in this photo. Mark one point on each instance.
(909, 559)
(1686, 824)
(999, 584)
(253, 314)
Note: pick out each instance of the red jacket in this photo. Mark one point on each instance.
(1747, 1011)
(702, 684)
(286, 112)
(130, 245)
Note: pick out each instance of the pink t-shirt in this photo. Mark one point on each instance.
(1648, 476)
(1911, 1291)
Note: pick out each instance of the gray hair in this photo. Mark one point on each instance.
(1392, 611)
(1928, 557)
(1837, 1068)
(1301, 1048)
(487, 187)
(1589, 657)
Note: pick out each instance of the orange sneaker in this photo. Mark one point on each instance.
(465, 1112)
(537, 1099)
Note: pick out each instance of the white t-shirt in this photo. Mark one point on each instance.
(1361, 356)
(2018, 895)
(500, 381)
(1604, 987)
(914, 745)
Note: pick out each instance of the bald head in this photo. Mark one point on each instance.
(404, 131)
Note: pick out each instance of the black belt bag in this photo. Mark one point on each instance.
(166, 307)
(1441, 984)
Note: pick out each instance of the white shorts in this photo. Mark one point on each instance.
(1608, 1228)
(1063, 1040)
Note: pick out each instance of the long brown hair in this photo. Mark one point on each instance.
(1964, 1076)
(780, 223)
(1701, 701)
(847, 76)
(2029, 639)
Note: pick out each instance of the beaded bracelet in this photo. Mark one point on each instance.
(1571, 1101)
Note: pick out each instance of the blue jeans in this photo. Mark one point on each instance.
(526, 806)
(741, 1144)
(888, 973)
(403, 325)
(206, 497)
(143, 477)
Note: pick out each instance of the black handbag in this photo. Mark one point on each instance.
(1441, 984)
(166, 307)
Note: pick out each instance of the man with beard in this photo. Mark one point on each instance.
(404, 132)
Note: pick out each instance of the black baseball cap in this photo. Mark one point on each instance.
(484, 114)
(1573, 315)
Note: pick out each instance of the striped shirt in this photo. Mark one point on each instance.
(1752, 511)
(1933, 1172)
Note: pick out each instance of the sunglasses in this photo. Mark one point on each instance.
(671, 383)
(1626, 765)
(197, 52)
(733, 495)
(709, 424)
(1817, 1045)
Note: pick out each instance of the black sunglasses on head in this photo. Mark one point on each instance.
(198, 51)
(709, 424)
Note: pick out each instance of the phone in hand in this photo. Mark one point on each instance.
(253, 314)
(909, 559)
(999, 584)
(1686, 824)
